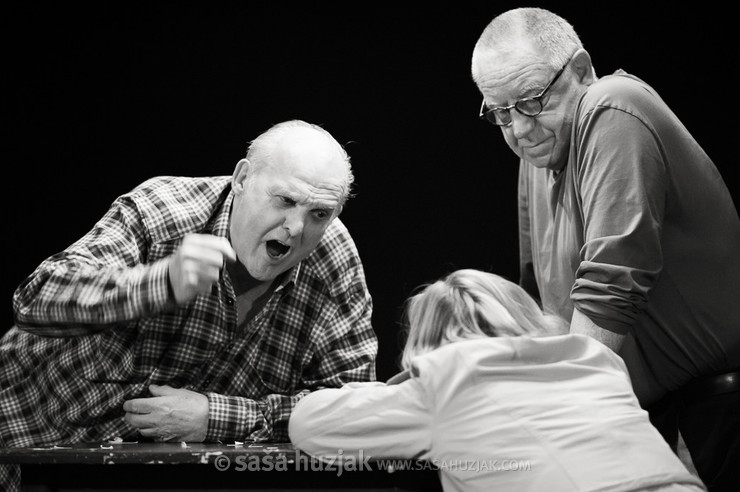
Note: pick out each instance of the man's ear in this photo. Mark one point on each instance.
(239, 178)
(582, 67)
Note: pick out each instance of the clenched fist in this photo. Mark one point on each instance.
(196, 265)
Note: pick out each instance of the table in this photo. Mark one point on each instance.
(142, 466)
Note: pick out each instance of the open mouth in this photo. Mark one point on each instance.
(276, 249)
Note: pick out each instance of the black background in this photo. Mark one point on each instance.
(99, 96)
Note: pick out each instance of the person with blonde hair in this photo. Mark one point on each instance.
(497, 396)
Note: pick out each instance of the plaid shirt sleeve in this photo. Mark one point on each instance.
(343, 350)
(98, 280)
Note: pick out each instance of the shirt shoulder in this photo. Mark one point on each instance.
(180, 188)
(336, 260)
(510, 355)
(171, 206)
(625, 92)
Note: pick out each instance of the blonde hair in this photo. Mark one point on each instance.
(470, 304)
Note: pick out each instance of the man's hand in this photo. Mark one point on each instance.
(171, 414)
(196, 265)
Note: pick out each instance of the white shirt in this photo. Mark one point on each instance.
(560, 408)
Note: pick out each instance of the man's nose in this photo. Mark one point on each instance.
(294, 221)
(521, 124)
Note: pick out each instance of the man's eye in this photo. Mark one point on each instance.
(287, 200)
(322, 214)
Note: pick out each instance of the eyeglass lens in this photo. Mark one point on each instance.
(527, 107)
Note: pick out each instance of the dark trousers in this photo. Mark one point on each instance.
(710, 427)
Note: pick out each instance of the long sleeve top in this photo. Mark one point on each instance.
(526, 414)
(639, 233)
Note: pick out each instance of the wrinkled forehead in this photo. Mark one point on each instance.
(311, 162)
(496, 70)
(504, 59)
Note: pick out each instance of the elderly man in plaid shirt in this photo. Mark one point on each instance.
(196, 309)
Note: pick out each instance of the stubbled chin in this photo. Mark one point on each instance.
(265, 273)
(542, 160)
(536, 160)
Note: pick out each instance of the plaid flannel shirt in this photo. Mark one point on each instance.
(97, 323)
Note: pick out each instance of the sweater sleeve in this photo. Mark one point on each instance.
(621, 180)
(380, 420)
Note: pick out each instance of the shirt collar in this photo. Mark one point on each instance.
(289, 277)
(221, 221)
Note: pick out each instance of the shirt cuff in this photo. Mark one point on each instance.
(231, 418)
(155, 291)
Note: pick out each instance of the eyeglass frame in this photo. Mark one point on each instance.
(485, 110)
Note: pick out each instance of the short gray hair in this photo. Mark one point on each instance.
(546, 31)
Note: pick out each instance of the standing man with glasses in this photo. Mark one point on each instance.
(626, 227)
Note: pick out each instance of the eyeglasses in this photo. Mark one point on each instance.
(529, 106)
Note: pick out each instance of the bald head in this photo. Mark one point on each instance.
(299, 141)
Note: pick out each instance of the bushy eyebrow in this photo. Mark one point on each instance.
(300, 198)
